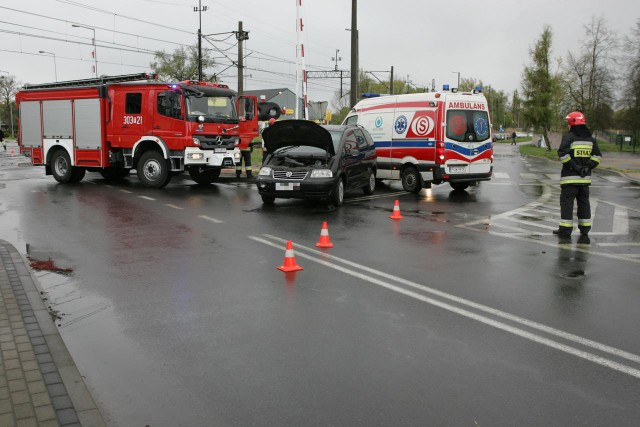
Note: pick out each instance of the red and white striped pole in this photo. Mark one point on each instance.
(300, 60)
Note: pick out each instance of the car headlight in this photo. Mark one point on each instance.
(321, 173)
(265, 171)
(196, 141)
(195, 156)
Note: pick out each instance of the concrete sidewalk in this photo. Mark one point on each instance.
(39, 382)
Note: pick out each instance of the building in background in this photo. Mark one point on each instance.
(286, 99)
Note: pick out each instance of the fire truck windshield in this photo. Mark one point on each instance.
(214, 109)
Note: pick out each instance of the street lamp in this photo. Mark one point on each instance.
(93, 41)
(458, 73)
(55, 65)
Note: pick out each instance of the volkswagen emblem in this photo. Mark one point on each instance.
(288, 174)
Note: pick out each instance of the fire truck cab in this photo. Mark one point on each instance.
(429, 138)
(112, 125)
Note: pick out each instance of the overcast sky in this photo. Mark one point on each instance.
(424, 40)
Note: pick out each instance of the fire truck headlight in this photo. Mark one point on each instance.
(265, 171)
(321, 173)
(195, 156)
(196, 141)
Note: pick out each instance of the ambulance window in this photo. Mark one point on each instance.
(133, 103)
(353, 120)
(467, 125)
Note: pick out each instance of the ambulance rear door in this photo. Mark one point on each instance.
(468, 147)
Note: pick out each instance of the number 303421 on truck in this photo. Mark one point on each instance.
(114, 124)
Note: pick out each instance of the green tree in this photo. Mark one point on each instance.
(182, 64)
(8, 89)
(540, 88)
(516, 107)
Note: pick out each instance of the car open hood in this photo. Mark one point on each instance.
(286, 133)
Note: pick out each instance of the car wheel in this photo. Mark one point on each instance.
(371, 184)
(114, 173)
(411, 180)
(203, 175)
(153, 170)
(61, 168)
(459, 186)
(268, 200)
(77, 174)
(337, 195)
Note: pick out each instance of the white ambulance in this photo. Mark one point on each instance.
(429, 138)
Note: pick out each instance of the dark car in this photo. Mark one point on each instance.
(310, 161)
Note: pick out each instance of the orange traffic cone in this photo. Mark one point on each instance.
(325, 241)
(396, 211)
(289, 260)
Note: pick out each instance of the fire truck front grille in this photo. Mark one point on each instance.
(210, 142)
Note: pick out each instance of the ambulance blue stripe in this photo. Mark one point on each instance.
(467, 151)
(406, 143)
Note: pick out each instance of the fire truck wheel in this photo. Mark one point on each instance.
(459, 186)
(337, 195)
(203, 175)
(153, 170)
(61, 166)
(411, 180)
(77, 174)
(370, 186)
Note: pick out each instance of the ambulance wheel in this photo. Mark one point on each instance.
(411, 180)
(61, 168)
(153, 170)
(459, 186)
(370, 186)
(114, 173)
(203, 175)
(337, 195)
(77, 174)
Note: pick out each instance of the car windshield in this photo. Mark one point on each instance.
(467, 125)
(215, 109)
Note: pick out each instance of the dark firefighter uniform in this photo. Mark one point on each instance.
(579, 154)
(245, 155)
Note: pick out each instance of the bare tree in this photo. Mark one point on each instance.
(8, 89)
(588, 74)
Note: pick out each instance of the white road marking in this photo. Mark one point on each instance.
(146, 197)
(126, 191)
(323, 259)
(529, 176)
(173, 206)
(501, 175)
(621, 244)
(208, 218)
(377, 196)
(611, 178)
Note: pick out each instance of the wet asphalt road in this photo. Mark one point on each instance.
(466, 312)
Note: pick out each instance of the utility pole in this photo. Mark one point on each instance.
(354, 52)
(391, 82)
(200, 9)
(241, 36)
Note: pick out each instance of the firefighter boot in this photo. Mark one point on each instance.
(249, 173)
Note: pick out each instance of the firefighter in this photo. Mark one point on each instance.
(579, 154)
(245, 154)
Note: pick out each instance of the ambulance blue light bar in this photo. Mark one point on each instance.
(445, 87)
(478, 89)
(370, 95)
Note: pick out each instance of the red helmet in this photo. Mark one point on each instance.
(576, 118)
(271, 121)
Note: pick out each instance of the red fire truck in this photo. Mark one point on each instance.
(112, 125)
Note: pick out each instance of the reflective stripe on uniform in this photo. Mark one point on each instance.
(596, 159)
(585, 222)
(565, 158)
(581, 144)
(566, 224)
(572, 179)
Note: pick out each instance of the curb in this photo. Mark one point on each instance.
(61, 377)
